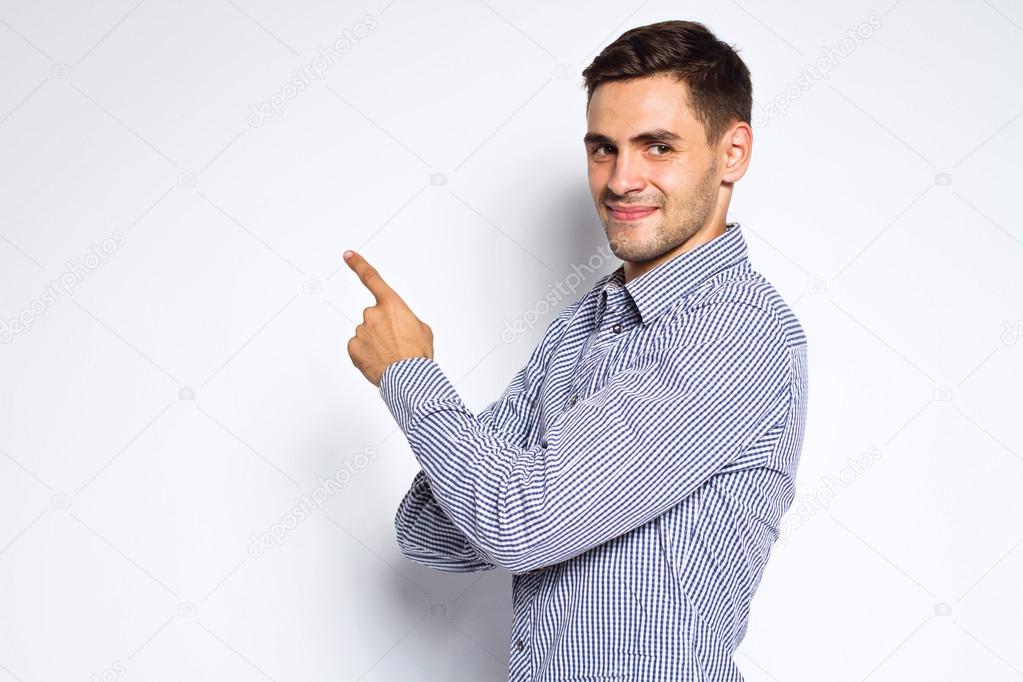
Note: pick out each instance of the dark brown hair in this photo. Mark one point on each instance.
(718, 80)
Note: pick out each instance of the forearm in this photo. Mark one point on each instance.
(427, 536)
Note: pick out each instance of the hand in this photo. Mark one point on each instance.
(390, 331)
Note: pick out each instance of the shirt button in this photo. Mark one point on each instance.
(520, 645)
(617, 328)
(573, 400)
(544, 443)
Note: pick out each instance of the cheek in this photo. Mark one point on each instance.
(673, 180)
(598, 176)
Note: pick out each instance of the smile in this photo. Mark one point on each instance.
(637, 213)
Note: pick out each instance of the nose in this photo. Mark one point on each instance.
(627, 175)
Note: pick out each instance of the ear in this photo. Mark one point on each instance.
(735, 149)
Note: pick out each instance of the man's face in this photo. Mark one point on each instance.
(645, 148)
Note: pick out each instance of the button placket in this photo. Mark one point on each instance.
(526, 585)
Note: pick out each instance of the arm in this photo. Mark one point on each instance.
(424, 531)
(426, 535)
(617, 459)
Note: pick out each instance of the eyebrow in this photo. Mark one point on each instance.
(659, 135)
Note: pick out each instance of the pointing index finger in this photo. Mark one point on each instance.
(370, 277)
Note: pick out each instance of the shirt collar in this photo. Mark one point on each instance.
(654, 291)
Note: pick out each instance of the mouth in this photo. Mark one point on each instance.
(630, 213)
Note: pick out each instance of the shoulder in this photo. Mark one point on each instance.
(746, 300)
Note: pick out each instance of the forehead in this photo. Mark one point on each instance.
(621, 108)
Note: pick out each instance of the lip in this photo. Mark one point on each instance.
(630, 212)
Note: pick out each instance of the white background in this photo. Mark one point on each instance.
(196, 382)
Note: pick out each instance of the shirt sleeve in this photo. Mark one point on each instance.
(426, 535)
(424, 531)
(615, 459)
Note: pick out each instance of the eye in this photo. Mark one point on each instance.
(666, 148)
(596, 149)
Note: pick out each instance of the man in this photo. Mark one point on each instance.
(633, 474)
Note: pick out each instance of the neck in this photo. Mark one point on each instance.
(713, 228)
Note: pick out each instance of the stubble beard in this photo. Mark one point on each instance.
(687, 218)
